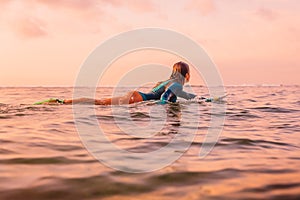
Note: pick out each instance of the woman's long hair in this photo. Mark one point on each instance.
(180, 69)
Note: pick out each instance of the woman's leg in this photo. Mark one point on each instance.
(131, 97)
(78, 101)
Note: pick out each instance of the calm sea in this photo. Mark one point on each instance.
(257, 155)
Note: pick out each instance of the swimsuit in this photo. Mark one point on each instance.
(167, 93)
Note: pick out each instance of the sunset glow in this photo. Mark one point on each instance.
(44, 42)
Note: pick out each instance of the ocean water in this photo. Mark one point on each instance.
(257, 155)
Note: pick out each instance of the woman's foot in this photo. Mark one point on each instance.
(50, 101)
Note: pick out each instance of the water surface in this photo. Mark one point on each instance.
(257, 155)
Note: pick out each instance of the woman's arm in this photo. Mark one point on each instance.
(175, 90)
(186, 95)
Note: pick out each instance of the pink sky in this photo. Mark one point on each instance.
(44, 42)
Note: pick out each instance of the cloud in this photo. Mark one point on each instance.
(29, 27)
(18, 18)
(30, 18)
(267, 14)
(204, 7)
(98, 5)
(4, 2)
(86, 5)
(79, 5)
(78, 8)
(133, 5)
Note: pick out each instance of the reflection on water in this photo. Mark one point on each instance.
(257, 155)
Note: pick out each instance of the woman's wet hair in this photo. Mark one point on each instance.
(180, 69)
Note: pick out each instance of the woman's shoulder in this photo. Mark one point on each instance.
(175, 85)
(160, 85)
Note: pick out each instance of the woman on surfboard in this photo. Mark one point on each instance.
(166, 91)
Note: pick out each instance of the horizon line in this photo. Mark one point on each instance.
(111, 86)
